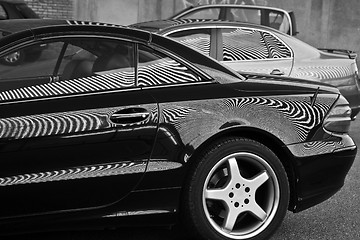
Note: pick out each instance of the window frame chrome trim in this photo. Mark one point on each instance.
(176, 29)
(76, 95)
(203, 77)
(199, 7)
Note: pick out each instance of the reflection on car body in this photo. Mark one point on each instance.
(113, 125)
(251, 49)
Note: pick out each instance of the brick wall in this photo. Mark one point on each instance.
(57, 9)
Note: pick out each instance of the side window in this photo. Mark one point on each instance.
(89, 59)
(248, 44)
(243, 44)
(3, 14)
(28, 66)
(155, 68)
(199, 39)
(210, 13)
(109, 60)
(277, 48)
(245, 15)
(276, 19)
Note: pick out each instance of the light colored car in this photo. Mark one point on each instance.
(249, 48)
(276, 18)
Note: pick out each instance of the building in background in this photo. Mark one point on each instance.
(321, 23)
(59, 9)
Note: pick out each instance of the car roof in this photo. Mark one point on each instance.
(160, 26)
(37, 28)
(18, 25)
(226, 5)
(10, 30)
(48, 26)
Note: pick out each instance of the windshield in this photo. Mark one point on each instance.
(25, 11)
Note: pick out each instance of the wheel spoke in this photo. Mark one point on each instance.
(215, 194)
(230, 220)
(259, 180)
(257, 211)
(234, 168)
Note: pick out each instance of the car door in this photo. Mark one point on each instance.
(252, 50)
(81, 140)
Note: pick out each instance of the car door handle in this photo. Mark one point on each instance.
(277, 72)
(130, 116)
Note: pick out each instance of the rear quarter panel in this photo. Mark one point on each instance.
(334, 69)
(194, 114)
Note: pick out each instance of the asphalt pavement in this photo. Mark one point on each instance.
(338, 218)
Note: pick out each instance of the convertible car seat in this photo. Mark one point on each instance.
(110, 62)
(77, 69)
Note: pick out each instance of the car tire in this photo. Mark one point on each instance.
(237, 190)
(13, 59)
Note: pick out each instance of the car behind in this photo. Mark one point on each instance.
(250, 48)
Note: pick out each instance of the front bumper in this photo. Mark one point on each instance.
(319, 176)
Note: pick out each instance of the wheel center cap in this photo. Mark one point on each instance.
(239, 195)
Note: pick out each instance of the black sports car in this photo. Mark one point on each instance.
(113, 125)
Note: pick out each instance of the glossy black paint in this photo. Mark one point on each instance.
(320, 177)
(76, 150)
(96, 175)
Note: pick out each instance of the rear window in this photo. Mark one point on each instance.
(25, 11)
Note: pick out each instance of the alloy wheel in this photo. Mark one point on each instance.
(241, 195)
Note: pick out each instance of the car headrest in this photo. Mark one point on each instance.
(110, 62)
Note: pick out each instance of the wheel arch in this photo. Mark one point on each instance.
(263, 137)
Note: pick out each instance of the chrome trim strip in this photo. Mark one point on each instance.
(46, 98)
(83, 172)
(137, 213)
(239, 6)
(179, 84)
(103, 92)
(344, 149)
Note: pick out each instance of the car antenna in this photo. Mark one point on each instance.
(313, 98)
